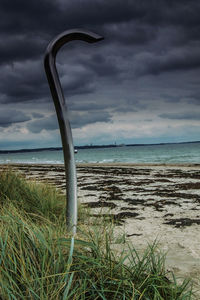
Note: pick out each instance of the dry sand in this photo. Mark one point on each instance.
(148, 202)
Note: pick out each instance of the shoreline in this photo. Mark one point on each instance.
(116, 164)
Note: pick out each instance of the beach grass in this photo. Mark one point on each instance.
(39, 260)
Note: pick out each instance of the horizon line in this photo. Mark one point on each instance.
(91, 146)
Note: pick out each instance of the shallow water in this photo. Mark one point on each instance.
(168, 153)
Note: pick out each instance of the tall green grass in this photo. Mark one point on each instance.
(38, 260)
(31, 197)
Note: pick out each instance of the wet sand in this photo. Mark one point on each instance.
(146, 202)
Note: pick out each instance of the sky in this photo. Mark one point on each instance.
(141, 84)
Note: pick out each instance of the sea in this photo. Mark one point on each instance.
(188, 153)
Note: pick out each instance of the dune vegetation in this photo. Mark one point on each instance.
(39, 260)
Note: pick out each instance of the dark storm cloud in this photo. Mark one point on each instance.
(49, 17)
(103, 66)
(28, 16)
(78, 83)
(128, 22)
(143, 39)
(10, 116)
(22, 81)
(19, 47)
(178, 59)
(130, 33)
(32, 23)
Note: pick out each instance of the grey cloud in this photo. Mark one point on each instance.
(11, 116)
(181, 116)
(113, 18)
(171, 98)
(89, 106)
(77, 119)
(129, 105)
(178, 59)
(194, 98)
(142, 39)
(28, 16)
(103, 66)
(130, 33)
(127, 22)
(171, 12)
(78, 85)
(47, 123)
(51, 17)
(23, 81)
(27, 81)
(37, 115)
(20, 47)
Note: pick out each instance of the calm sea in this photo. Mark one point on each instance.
(168, 153)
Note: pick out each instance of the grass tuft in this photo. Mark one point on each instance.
(33, 198)
(38, 260)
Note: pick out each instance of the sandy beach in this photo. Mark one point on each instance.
(148, 202)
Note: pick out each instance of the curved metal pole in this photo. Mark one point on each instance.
(63, 120)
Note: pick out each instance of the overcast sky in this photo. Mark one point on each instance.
(141, 84)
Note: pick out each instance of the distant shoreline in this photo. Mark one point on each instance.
(92, 147)
(103, 165)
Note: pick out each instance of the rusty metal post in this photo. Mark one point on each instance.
(62, 116)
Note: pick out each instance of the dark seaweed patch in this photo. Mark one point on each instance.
(134, 201)
(128, 208)
(133, 234)
(118, 219)
(168, 215)
(182, 222)
(188, 186)
(99, 204)
(90, 188)
(169, 193)
(114, 189)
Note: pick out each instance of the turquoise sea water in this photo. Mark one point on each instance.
(168, 153)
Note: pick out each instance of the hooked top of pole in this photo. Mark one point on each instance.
(70, 35)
